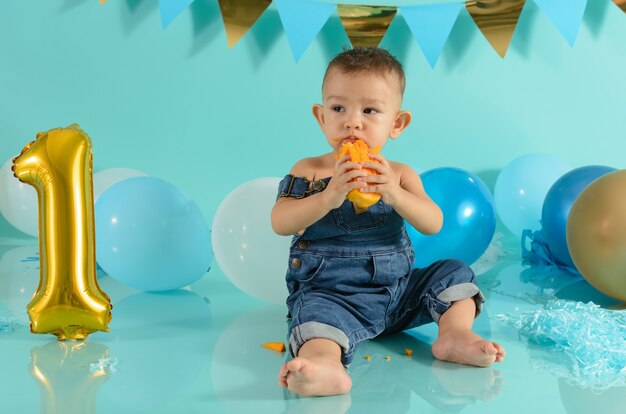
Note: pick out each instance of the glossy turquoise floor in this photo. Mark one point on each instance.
(197, 350)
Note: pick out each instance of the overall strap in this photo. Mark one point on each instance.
(300, 187)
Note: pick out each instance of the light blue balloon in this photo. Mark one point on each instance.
(521, 188)
(469, 217)
(151, 236)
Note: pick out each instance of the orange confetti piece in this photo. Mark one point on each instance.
(274, 346)
(408, 352)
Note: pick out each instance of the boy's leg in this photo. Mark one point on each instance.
(446, 293)
(458, 343)
(317, 370)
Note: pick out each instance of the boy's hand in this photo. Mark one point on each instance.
(341, 183)
(385, 182)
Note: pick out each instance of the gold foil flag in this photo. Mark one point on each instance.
(240, 15)
(496, 19)
(366, 25)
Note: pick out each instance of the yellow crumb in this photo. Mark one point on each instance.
(408, 352)
(368, 357)
(274, 346)
(388, 358)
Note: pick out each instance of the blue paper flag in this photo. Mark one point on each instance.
(565, 14)
(170, 9)
(431, 25)
(302, 21)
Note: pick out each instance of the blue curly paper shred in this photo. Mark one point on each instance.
(588, 342)
(108, 365)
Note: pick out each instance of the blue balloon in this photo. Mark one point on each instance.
(521, 189)
(150, 235)
(469, 217)
(558, 204)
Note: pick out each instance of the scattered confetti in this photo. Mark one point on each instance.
(588, 342)
(104, 364)
(274, 346)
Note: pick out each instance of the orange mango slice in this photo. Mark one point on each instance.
(274, 346)
(358, 151)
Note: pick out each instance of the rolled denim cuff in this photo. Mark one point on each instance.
(310, 330)
(459, 292)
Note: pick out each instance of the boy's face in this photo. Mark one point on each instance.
(361, 105)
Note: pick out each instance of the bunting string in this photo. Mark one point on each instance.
(430, 23)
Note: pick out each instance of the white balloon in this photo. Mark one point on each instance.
(246, 248)
(103, 180)
(18, 202)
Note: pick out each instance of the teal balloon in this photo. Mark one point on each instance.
(558, 203)
(469, 217)
(521, 189)
(151, 236)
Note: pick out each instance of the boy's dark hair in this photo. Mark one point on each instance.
(367, 60)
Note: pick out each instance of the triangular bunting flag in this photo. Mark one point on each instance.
(170, 9)
(621, 4)
(431, 25)
(496, 19)
(565, 14)
(302, 21)
(366, 25)
(240, 15)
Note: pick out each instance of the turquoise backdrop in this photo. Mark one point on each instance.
(179, 105)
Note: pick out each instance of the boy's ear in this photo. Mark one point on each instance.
(318, 113)
(403, 119)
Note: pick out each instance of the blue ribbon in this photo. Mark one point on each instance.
(539, 253)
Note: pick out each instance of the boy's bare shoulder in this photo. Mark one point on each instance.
(405, 172)
(310, 168)
(400, 167)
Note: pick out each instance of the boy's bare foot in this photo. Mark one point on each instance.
(314, 377)
(466, 347)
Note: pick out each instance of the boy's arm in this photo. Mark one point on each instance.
(294, 215)
(401, 188)
(414, 205)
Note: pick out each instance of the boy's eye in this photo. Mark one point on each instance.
(338, 108)
(369, 111)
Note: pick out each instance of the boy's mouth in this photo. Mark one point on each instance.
(350, 138)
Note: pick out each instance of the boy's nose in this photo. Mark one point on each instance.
(353, 122)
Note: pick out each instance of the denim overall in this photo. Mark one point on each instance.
(350, 276)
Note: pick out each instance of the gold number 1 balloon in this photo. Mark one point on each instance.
(68, 302)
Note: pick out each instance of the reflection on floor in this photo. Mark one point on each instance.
(197, 350)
